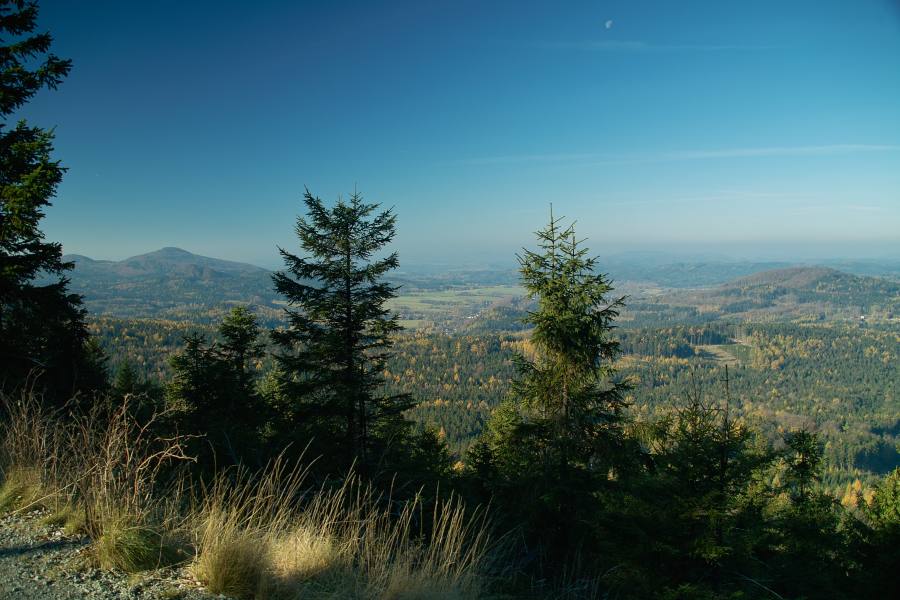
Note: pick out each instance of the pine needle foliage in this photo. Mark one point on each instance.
(212, 392)
(340, 331)
(559, 441)
(567, 388)
(41, 324)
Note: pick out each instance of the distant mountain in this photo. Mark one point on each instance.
(166, 261)
(170, 283)
(886, 268)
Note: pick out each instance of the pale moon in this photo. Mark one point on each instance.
(608, 24)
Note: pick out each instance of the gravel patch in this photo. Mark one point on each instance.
(39, 562)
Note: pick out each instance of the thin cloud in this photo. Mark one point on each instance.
(835, 208)
(864, 207)
(754, 194)
(679, 155)
(641, 46)
(779, 151)
(712, 198)
(787, 206)
(532, 158)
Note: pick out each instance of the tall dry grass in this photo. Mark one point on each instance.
(34, 464)
(335, 543)
(133, 518)
(98, 472)
(264, 536)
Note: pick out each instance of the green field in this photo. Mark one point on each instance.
(448, 307)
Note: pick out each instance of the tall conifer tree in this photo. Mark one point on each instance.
(549, 450)
(41, 324)
(339, 333)
(566, 386)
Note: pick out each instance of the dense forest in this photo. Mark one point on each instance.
(542, 437)
(838, 379)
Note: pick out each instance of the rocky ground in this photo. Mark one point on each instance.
(39, 562)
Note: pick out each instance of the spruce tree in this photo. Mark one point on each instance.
(552, 447)
(808, 556)
(213, 392)
(803, 456)
(42, 325)
(567, 386)
(126, 381)
(877, 537)
(339, 333)
(240, 346)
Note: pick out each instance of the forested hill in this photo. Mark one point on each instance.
(797, 292)
(168, 283)
(813, 279)
(819, 285)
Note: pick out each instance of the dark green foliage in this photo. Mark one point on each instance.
(804, 463)
(147, 397)
(566, 387)
(836, 378)
(554, 445)
(18, 82)
(806, 554)
(885, 508)
(147, 344)
(876, 538)
(676, 341)
(339, 335)
(458, 380)
(241, 346)
(690, 524)
(213, 393)
(127, 380)
(42, 327)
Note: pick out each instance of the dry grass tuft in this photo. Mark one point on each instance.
(21, 489)
(303, 554)
(401, 565)
(234, 528)
(232, 559)
(260, 539)
(132, 547)
(134, 523)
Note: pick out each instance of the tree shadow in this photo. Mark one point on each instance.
(48, 545)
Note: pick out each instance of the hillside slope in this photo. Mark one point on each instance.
(799, 291)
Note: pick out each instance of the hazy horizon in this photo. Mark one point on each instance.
(634, 255)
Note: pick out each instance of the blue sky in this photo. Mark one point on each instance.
(755, 128)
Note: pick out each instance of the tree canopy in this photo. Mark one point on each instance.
(339, 331)
(42, 327)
